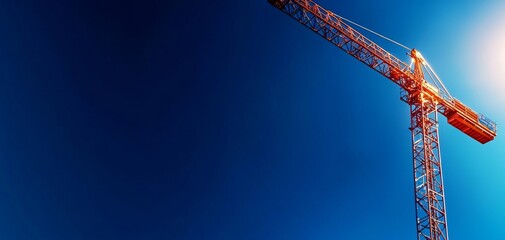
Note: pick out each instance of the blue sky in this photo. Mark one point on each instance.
(229, 120)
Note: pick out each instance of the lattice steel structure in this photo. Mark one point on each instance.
(428, 183)
(426, 100)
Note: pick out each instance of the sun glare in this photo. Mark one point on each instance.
(485, 55)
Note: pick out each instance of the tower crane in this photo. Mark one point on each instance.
(422, 90)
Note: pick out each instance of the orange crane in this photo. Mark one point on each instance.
(426, 96)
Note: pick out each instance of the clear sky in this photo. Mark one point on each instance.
(229, 120)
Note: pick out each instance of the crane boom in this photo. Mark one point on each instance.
(426, 100)
(332, 28)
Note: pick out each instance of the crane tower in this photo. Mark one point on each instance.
(427, 97)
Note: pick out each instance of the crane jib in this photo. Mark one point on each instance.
(333, 29)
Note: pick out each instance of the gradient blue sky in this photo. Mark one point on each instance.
(229, 120)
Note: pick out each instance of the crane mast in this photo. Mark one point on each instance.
(426, 101)
(431, 217)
